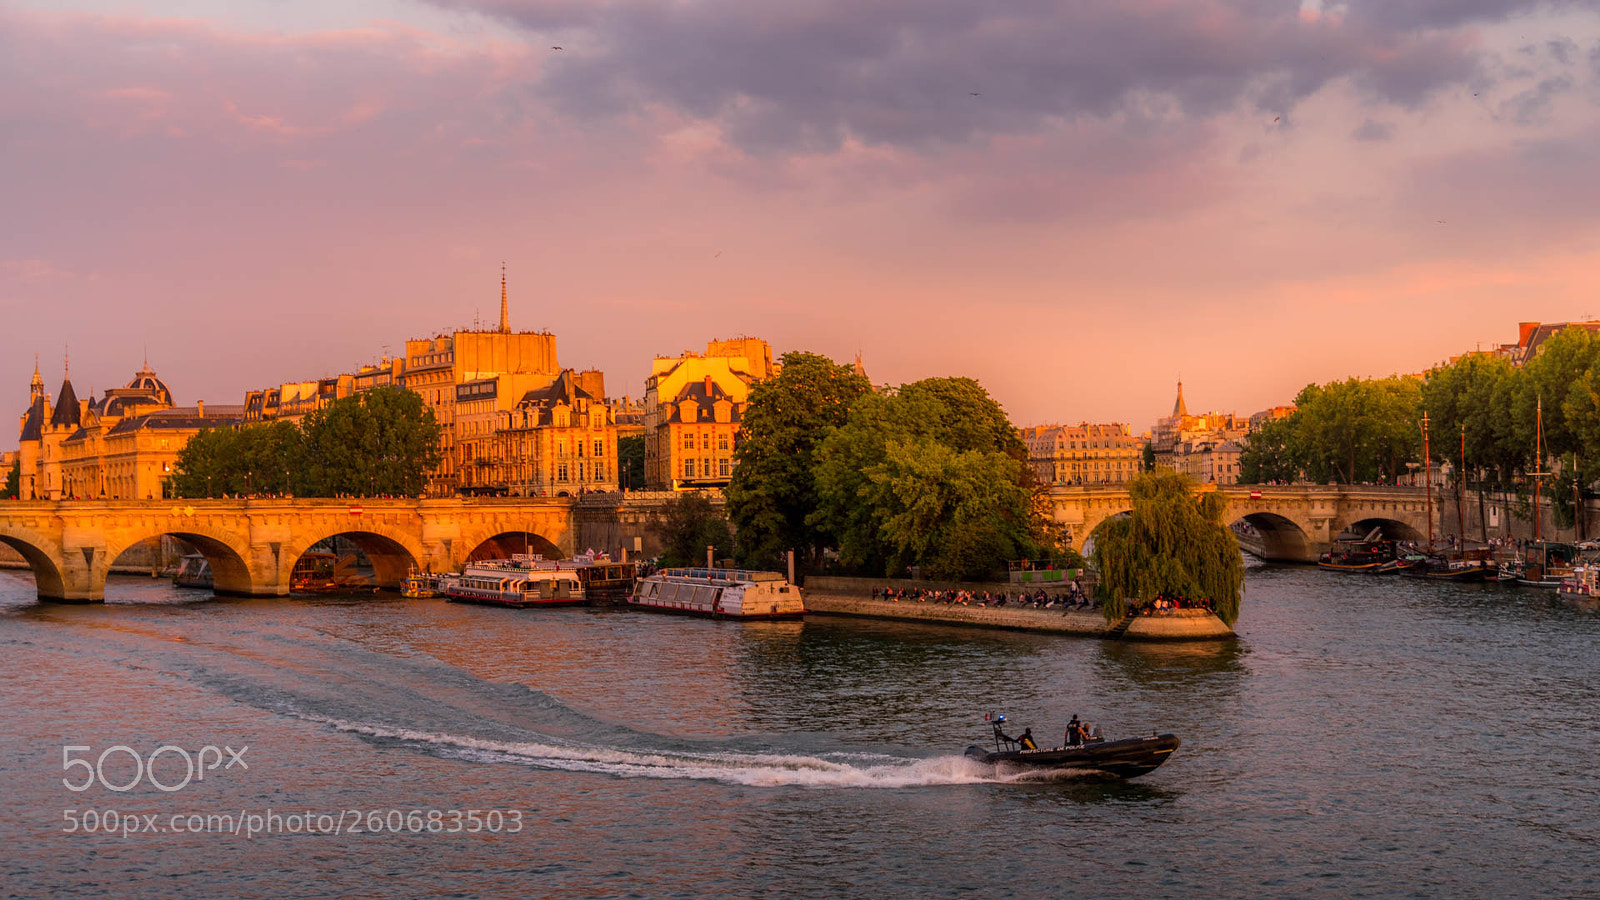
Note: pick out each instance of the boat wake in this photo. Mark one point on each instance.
(828, 770)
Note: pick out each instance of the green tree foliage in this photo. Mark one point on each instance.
(377, 442)
(630, 461)
(931, 475)
(689, 525)
(773, 490)
(1147, 457)
(1268, 454)
(259, 459)
(13, 486)
(1359, 429)
(1172, 543)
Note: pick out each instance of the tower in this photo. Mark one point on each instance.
(1179, 410)
(505, 313)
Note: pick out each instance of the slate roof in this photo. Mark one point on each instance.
(33, 425)
(66, 413)
(706, 401)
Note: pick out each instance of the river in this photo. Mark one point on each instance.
(1362, 737)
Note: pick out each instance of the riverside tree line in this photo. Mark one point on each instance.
(1367, 430)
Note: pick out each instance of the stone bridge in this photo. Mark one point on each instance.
(1295, 522)
(253, 544)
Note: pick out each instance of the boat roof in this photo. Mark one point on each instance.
(703, 574)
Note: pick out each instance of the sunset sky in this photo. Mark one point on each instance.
(1077, 203)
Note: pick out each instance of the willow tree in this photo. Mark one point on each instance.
(1172, 543)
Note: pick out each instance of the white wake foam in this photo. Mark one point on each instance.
(730, 767)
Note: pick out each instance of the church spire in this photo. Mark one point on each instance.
(36, 386)
(1179, 409)
(505, 313)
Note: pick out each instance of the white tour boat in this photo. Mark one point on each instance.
(522, 580)
(734, 593)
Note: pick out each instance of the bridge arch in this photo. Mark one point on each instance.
(393, 552)
(507, 543)
(1087, 547)
(227, 555)
(1280, 537)
(33, 547)
(1395, 529)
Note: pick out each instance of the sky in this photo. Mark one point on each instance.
(1077, 203)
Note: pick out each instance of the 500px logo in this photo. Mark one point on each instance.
(195, 766)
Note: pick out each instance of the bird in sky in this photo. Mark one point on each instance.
(719, 253)
(975, 93)
(1276, 118)
(1438, 221)
(558, 48)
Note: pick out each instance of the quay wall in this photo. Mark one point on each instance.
(1179, 625)
(834, 584)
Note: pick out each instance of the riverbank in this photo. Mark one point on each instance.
(844, 597)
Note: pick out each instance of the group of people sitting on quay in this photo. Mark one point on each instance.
(1074, 598)
(1163, 605)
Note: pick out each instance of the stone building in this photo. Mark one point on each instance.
(122, 446)
(442, 367)
(1182, 434)
(1084, 453)
(558, 440)
(693, 406)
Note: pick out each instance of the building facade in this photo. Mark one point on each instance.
(1084, 453)
(693, 406)
(559, 440)
(121, 446)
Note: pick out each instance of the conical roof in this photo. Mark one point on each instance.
(1179, 410)
(66, 414)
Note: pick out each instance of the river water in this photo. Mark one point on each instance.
(1363, 737)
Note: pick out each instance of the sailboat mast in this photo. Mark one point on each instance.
(1538, 463)
(1461, 493)
(1427, 476)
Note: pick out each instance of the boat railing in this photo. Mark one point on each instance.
(729, 575)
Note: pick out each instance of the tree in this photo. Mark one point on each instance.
(1172, 544)
(378, 442)
(688, 526)
(773, 490)
(13, 486)
(1147, 457)
(1268, 454)
(931, 475)
(630, 461)
(1357, 430)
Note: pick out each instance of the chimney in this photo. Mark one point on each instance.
(708, 385)
(200, 408)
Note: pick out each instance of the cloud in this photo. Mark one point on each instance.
(807, 78)
(1372, 130)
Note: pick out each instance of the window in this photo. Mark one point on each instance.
(599, 448)
(599, 472)
(688, 468)
(705, 442)
(561, 471)
(724, 467)
(722, 442)
(688, 441)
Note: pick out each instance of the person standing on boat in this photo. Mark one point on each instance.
(1026, 739)
(1074, 733)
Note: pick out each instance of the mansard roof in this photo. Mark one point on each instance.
(706, 400)
(66, 414)
(563, 389)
